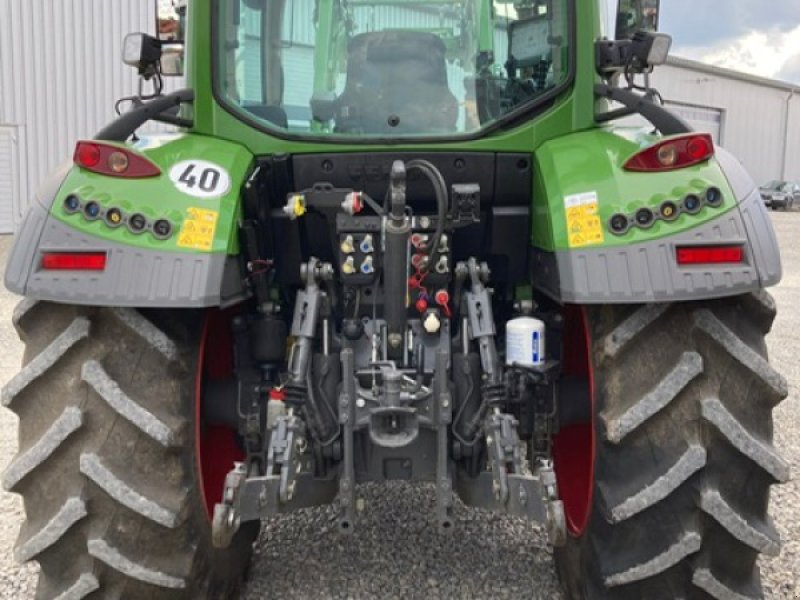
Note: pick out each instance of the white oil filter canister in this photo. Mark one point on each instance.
(525, 342)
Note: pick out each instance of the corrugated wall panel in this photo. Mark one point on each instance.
(298, 69)
(792, 164)
(8, 160)
(299, 19)
(61, 73)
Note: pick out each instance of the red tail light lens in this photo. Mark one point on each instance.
(87, 155)
(675, 153)
(74, 261)
(700, 148)
(709, 255)
(114, 161)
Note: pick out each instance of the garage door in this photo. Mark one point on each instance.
(701, 118)
(9, 168)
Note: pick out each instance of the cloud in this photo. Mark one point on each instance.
(773, 53)
(709, 22)
(791, 70)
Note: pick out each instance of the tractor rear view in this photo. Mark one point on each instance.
(396, 239)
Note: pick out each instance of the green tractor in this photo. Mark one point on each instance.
(396, 239)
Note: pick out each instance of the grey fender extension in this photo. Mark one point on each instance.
(648, 272)
(133, 276)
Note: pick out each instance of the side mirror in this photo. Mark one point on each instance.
(638, 55)
(636, 15)
(142, 52)
(650, 49)
(171, 27)
(172, 58)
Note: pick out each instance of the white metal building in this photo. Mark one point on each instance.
(61, 73)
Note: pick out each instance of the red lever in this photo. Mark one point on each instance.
(443, 299)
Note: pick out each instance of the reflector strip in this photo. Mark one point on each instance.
(710, 255)
(74, 261)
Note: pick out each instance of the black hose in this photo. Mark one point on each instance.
(440, 190)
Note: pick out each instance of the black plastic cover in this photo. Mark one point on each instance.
(504, 179)
(500, 238)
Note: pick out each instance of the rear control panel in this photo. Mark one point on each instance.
(360, 257)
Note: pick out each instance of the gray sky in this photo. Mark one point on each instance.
(757, 36)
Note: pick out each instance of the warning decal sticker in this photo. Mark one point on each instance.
(197, 231)
(584, 227)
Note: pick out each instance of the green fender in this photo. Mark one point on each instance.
(580, 184)
(197, 193)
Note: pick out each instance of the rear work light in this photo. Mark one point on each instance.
(106, 159)
(74, 261)
(709, 255)
(675, 153)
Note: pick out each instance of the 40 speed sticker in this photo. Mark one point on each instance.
(200, 178)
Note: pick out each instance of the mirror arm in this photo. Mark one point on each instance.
(172, 120)
(662, 119)
(122, 128)
(613, 115)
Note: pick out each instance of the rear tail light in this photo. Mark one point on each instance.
(74, 261)
(113, 160)
(675, 153)
(709, 255)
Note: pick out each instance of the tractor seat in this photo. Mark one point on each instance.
(396, 84)
(274, 114)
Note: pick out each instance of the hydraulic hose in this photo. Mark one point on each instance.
(440, 191)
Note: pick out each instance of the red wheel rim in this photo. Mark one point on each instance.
(216, 448)
(574, 446)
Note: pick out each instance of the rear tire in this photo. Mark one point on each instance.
(683, 396)
(106, 467)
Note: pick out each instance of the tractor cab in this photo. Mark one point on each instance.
(407, 68)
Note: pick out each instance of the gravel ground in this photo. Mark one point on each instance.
(396, 551)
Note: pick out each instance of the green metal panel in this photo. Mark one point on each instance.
(591, 162)
(159, 198)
